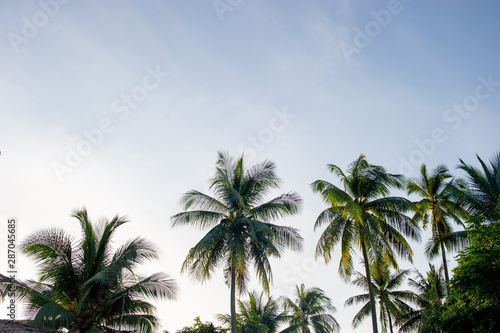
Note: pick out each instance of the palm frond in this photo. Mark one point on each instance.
(199, 218)
(481, 192)
(452, 241)
(361, 315)
(156, 286)
(202, 202)
(283, 206)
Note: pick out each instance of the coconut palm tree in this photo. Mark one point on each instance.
(257, 315)
(431, 293)
(310, 311)
(85, 286)
(438, 207)
(240, 234)
(482, 194)
(362, 216)
(392, 303)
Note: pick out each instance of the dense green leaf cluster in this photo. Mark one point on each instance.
(474, 302)
(200, 327)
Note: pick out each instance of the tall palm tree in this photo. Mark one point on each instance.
(240, 232)
(85, 286)
(362, 216)
(482, 193)
(431, 293)
(257, 315)
(392, 302)
(438, 207)
(310, 311)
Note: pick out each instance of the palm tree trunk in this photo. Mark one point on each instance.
(445, 266)
(233, 300)
(370, 289)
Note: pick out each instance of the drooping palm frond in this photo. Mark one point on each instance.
(283, 206)
(200, 218)
(202, 201)
(452, 241)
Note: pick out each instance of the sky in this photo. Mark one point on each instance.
(121, 107)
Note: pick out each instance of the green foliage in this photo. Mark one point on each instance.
(438, 207)
(86, 287)
(430, 295)
(392, 303)
(481, 192)
(474, 302)
(363, 215)
(257, 315)
(310, 311)
(200, 327)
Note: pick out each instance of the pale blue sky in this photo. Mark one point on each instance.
(272, 78)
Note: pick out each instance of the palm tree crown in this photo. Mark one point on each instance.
(431, 292)
(257, 315)
(392, 303)
(310, 311)
(362, 216)
(240, 230)
(438, 207)
(85, 286)
(482, 193)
